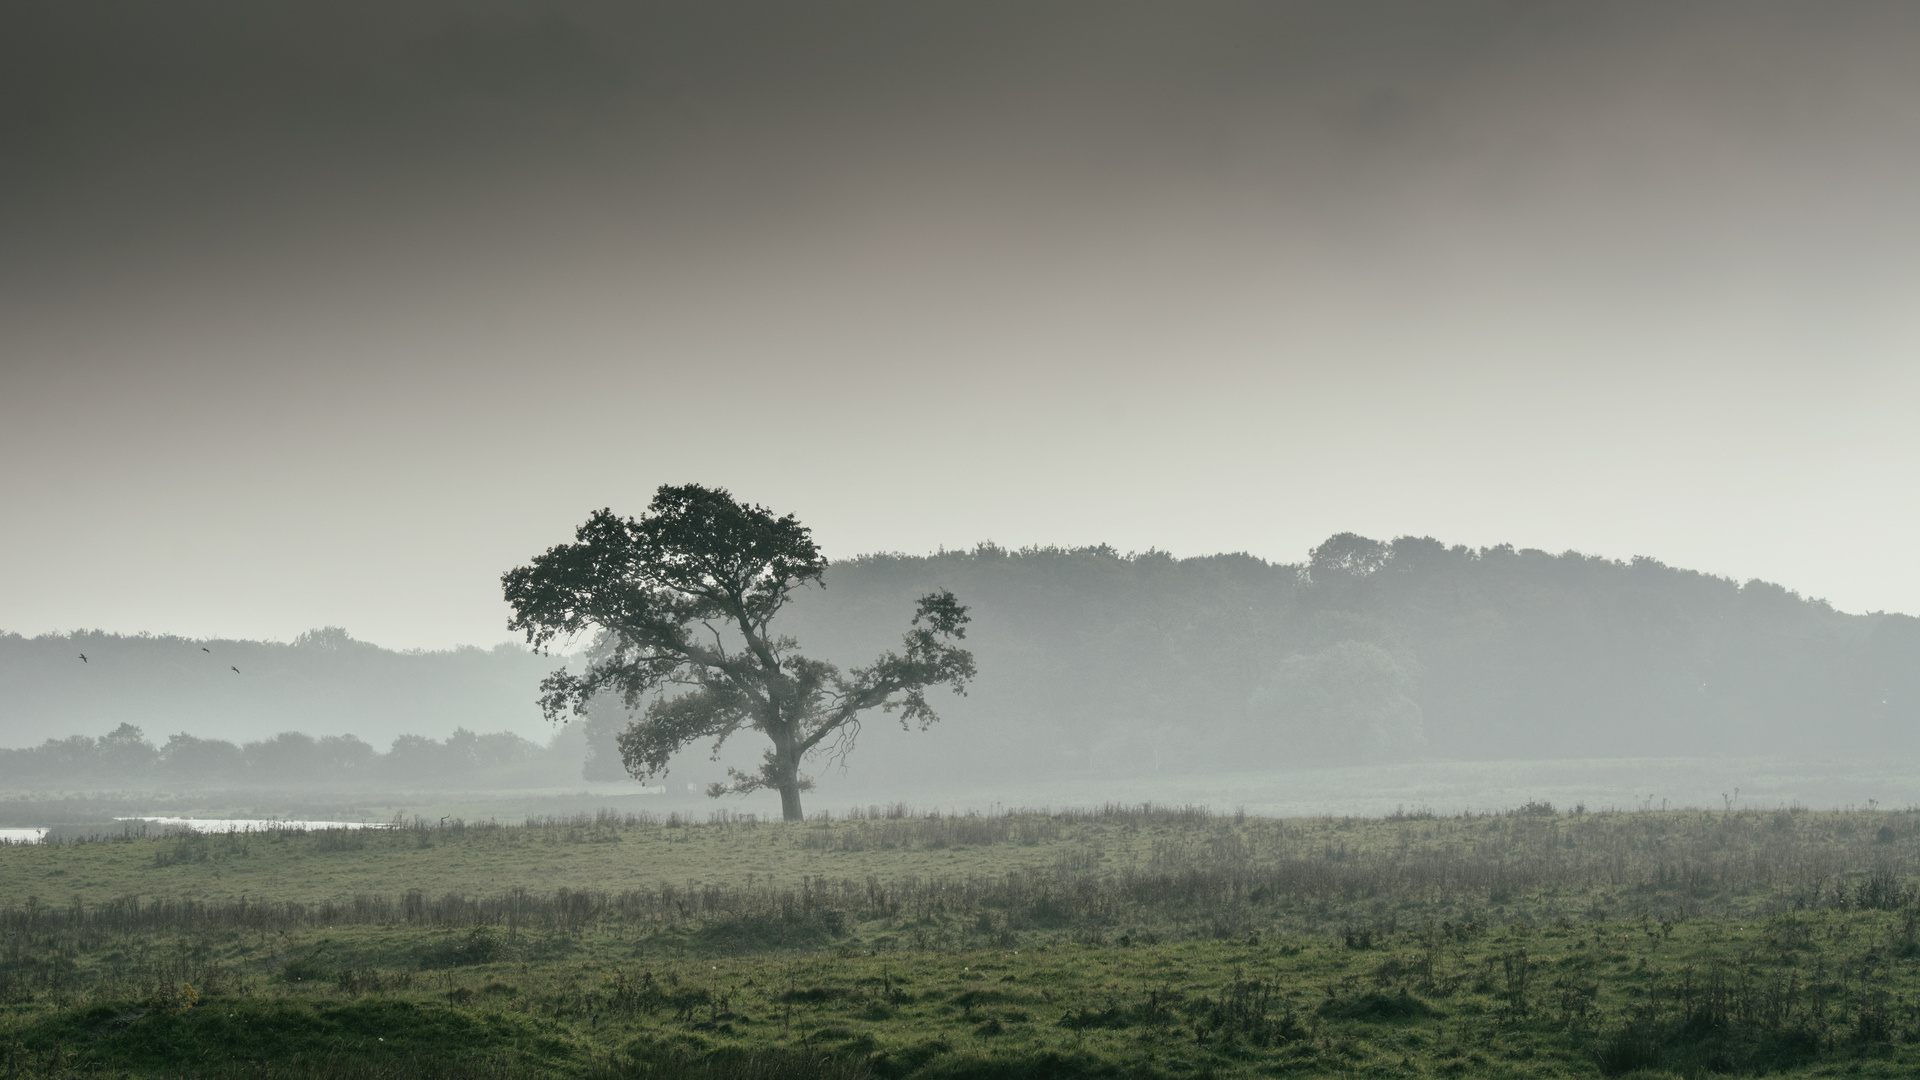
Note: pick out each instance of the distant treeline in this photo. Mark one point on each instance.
(1099, 664)
(125, 757)
(323, 682)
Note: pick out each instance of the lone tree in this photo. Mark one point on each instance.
(685, 597)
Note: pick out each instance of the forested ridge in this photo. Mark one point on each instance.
(1110, 664)
(1381, 651)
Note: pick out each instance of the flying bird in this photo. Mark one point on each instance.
(236, 671)
(206, 650)
(84, 660)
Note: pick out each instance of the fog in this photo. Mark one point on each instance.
(1369, 675)
(325, 314)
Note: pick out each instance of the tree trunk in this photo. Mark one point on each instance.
(787, 763)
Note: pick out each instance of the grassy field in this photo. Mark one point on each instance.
(1130, 941)
(1447, 787)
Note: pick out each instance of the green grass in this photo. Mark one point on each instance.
(1513, 861)
(1520, 1001)
(1118, 943)
(613, 852)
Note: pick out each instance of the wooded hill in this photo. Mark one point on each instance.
(1110, 663)
(1098, 663)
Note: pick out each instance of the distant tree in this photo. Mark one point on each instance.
(186, 758)
(1347, 555)
(504, 750)
(415, 759)
(124, 753)
(329, 639)
(462, 753)
(343, 757)
(69, 759)
(686, 596)
(291, 756)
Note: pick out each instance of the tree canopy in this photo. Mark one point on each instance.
(684, 599)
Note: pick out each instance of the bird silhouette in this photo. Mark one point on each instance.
(236, 671)
(204, 649)
(84, 660)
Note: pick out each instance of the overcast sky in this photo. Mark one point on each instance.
(329, 312)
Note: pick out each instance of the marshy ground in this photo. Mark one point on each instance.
(1121, 942)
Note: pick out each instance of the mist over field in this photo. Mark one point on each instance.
(1383, 666)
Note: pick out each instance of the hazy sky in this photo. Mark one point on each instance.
(328, 312)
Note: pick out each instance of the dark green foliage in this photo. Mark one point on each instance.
(1247, 1009)
(1726, 1021)
(229, 1033)
(683, 600)
(1113, 1016)
(480, 945)
(1050, 1065)
(786, 927)
(733, 1064)
(1375, 1007)
(312, 967)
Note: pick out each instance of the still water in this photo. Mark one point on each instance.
(34, 836)
(252, 824)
